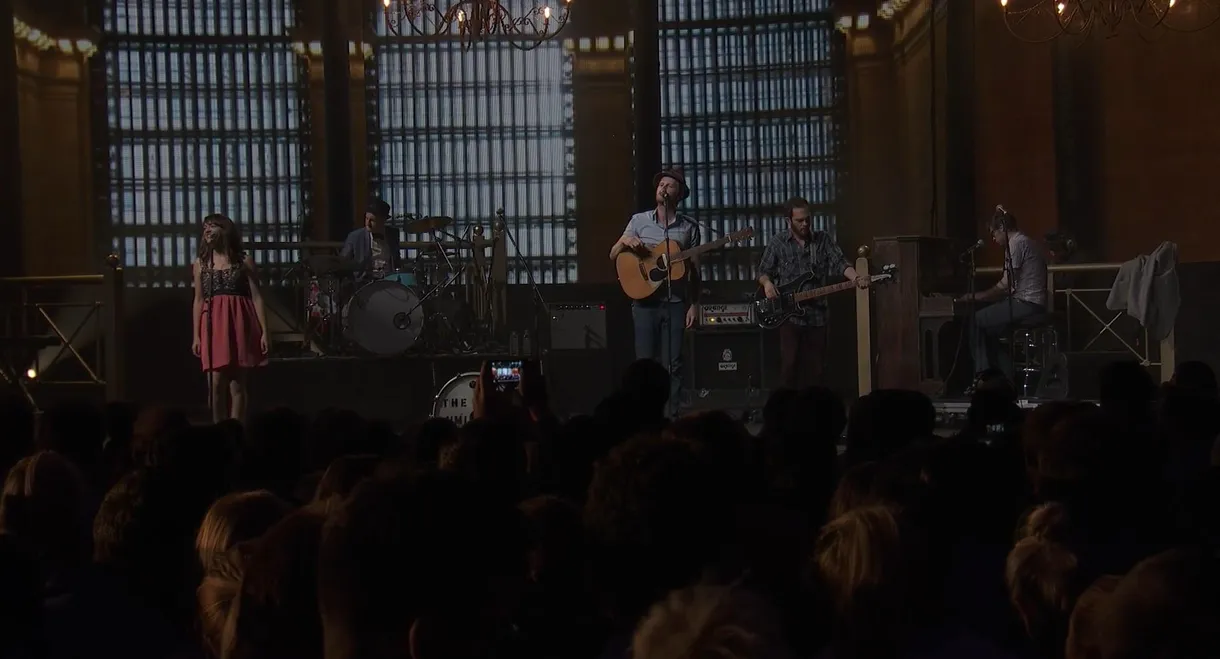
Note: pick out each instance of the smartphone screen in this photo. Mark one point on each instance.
(506, 371)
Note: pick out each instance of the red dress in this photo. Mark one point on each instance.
(230, 335)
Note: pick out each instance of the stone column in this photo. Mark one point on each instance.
(54, 150)
(874, 187)
(646, 51)
(11, 262)
(605, 178)
(337, 119)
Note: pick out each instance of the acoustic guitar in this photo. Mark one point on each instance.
(641, 275)
(772, 312)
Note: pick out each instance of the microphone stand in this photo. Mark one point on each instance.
(1012, 287)
(208, 293)
(538, 299)
(666, 330)
(972, 322)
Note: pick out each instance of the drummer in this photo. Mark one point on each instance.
(373, 247)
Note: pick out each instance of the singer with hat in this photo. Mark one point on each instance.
(1020, 294)
(373, 247)
(661, 319)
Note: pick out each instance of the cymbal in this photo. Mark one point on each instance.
(431, 246)
(326, 264)
(428, 224)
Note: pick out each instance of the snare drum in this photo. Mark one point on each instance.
(405, 278)
(456, 399)
(319, 304)
(383, 317)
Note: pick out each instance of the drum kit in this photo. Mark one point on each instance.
(418, 307)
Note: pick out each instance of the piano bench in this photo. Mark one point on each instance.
(1033, 348)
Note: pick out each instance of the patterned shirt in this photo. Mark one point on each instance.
(683, 230)
(785, 260)
(380, 254)
(233, 280)
(1025, 259)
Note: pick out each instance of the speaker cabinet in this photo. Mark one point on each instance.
(725, 359)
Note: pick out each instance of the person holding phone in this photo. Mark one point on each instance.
(503, 384)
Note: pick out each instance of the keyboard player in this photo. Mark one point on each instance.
(1020, 293)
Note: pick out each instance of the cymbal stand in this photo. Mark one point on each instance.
(426, 296)
(436, 240)
(540, 305)
(478, 284)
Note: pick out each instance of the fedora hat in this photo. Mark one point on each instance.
(674, 173)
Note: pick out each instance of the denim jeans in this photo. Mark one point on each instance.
(990, 323)
(658, 336)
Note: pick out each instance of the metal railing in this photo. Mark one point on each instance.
(1072, 299)
(49, 319)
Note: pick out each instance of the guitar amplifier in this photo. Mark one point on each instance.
(726, 359)
(730, 314)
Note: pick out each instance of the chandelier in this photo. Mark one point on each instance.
(475, 21)
(1038, 21)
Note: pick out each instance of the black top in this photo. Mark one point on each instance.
(234, 280)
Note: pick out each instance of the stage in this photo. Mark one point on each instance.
(400, 390)
(404, 390)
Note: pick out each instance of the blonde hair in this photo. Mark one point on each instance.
(873, 568)
(1048, 521)
(43, 501)
(218, 593)
(1082, 638)
(1042, 579)
(859, 550)
(235, 518)
(710, 622)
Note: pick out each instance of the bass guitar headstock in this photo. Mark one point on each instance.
(889, 272)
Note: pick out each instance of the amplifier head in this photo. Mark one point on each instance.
(726, 314)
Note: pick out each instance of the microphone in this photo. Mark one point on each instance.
(1000, 210)
(978, 244)
(665, 198)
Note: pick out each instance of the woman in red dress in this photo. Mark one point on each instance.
(229, 319)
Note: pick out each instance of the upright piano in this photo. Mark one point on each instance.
(916, 337)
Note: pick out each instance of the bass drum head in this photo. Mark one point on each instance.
(455, 401)
(384, 318)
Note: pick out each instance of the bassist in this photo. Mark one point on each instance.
(790, 255)
(660, 320)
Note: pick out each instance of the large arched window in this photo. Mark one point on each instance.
(464, 133)
(751, 106)
(204, 111)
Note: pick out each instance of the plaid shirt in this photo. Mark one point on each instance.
(785, 260)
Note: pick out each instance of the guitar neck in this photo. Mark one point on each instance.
(823, 291)
(705, 247)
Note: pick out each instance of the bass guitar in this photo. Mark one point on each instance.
(641, 275)
(772, 312)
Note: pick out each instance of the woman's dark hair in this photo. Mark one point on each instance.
(228, 239)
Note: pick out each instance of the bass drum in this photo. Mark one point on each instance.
(383, 317)
(456, 399)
